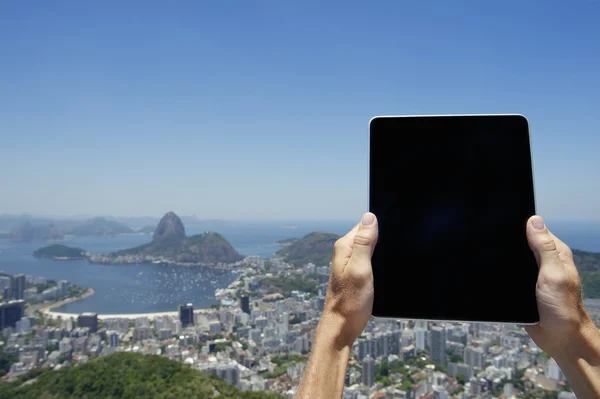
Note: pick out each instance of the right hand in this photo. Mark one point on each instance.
(558, 291)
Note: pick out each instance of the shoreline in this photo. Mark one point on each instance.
(48, 309)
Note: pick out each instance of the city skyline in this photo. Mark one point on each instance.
(260, 111)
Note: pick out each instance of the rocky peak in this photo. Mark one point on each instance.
(169, 226)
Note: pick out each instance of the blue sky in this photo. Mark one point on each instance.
(260, 109)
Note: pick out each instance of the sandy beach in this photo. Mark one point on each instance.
(131, 316)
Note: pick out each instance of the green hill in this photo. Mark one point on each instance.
(204, 248)
(57, 251)
(125, 375)
(314, 248)
(588, 264)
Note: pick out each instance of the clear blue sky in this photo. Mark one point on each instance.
(260, 109)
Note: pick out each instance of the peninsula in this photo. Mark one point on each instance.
(171, 245)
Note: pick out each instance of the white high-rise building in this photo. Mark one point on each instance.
(23, 326)
(508, 391)
(553, 371)
(474, 357)
(420, 338)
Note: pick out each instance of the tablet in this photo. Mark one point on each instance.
(452, 195)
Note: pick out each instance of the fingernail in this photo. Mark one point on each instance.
(367, 219)
(538, 223)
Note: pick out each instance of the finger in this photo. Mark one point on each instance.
(343, 246)
(364, 241)
(566, 255)
(542, 244)
(563, 249)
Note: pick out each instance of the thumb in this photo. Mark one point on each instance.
(541, 242)
(365, 238)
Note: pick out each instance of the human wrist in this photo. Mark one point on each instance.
(583, 344)
(331, 332)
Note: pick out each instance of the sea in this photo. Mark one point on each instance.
(148, 288)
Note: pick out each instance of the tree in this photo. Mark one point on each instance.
(6, 360)
(460, 378)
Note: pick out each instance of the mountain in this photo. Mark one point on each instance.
(25, 231)
(169, 242)
(170, 226)
(62, 252)
(99, 227)
(314, 248)
(588, 264)
(125, 375)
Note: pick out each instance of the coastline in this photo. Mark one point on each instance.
(48, 309)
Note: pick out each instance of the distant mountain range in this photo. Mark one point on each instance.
(169, 244)
(27, 231)
(32, 228)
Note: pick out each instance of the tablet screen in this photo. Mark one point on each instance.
(452, 195)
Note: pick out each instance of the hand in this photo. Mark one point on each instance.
(349, 300)
(558, 291)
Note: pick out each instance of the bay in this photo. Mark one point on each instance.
(156, 288)
(148, 288)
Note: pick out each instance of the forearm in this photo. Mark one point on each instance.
(580, 362)
(326, 370)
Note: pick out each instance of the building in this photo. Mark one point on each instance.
(113, 338)
(438, 345)
(89, 320)
(474, 357)
(186, 314)
(553, 371)
(63, 288)
(5, 286)
(368, 371)
(508, 391)
(23, 326)
(19, 284)
(10, 313)
(439, 392)
(245, 304)
(420, 338)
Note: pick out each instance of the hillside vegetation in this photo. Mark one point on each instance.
(314, 248)
(125, 375)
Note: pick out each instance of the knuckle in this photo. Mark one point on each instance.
(338, 245)
(548, 245)
(362, 240)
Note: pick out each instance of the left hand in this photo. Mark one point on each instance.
(349, 300)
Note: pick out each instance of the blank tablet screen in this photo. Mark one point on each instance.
(452, 195)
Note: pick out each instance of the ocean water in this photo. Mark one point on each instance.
(152, 288)
(156, 288)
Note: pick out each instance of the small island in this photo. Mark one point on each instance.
(60, 252)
